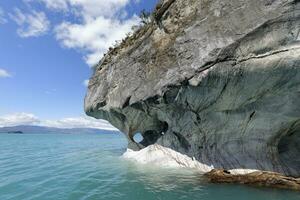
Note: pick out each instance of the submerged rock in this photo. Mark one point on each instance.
(215, 80)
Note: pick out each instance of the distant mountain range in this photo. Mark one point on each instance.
(50, 130)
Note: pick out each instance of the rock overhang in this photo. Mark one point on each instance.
(216, 82)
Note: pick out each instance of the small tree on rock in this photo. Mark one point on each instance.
(145, 16)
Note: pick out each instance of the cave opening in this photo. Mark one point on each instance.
(150, 137)
(165, 127)
(289, 151)
(138, 138)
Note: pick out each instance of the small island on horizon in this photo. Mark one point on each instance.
(15, 132)
(26, 129)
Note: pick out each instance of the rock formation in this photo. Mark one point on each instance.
(259, 178)
(215, 80)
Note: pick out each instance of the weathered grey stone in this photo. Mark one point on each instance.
(217, 80)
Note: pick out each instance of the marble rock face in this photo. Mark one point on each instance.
(215, 80)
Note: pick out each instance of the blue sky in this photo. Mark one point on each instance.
(47, 48)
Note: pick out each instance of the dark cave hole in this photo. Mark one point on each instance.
(150, 137)
(101, 104)
(127, 102)
(153, 100)
(165, 127)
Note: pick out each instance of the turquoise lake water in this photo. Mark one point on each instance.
(58, 167)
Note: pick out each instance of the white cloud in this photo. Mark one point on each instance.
(53, 4)
(18, 119)
(94, 36)
(2, 17)
(52, 91)
(79, 122)
(86, 83)
(30, 24)
(91, 8)
(101, 23)
(4, 73)
(73, 122)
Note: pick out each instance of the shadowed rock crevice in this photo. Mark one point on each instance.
(221, 85)
(289, 149)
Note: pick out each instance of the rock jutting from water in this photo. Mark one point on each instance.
(218, 81)
(258, 178)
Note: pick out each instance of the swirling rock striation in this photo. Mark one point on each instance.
(215, 80)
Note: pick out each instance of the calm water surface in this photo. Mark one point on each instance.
(58, 167)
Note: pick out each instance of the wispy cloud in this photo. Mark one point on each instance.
(51, 91)
(52, 4)
(94, 36)
(72, 122)
(2, 16)
(99, 24)
(18, 119)
(4, 73)
(90, 8)
(86, 83)
(31, 24)
(78, 122)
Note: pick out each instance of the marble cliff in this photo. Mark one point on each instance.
(216, 80)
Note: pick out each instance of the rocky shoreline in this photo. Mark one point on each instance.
(258, 178)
